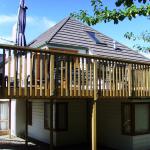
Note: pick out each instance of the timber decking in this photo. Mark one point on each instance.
(35, 73)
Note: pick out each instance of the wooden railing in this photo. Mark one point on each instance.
(28, 72)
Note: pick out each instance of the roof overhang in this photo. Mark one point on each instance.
(67, 47)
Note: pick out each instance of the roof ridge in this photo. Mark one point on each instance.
(65, 19)
(129, 49)
(58, 29)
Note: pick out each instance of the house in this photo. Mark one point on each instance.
(122, 82)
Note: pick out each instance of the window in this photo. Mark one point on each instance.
(29, 113)
(135, 118)
(60, 116)
(4, 118)
(93, 36)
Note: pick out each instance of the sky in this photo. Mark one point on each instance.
(42, 15)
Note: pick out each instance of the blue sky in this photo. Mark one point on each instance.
(43, 14)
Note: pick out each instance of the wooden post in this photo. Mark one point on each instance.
(130, 80)
(82, 76)
(91, 79)
(62, 85)
(26, 125)
(79, 78)
(20, 74)
(41, 74)
(51, 125)
(15, 77)
(31, 65)
(46, 69)
(51, 75)
(70, 78)
(25, 75)
(9, 67)
(66, 78)
(75, 77)
(3, 71)
(94, 139)
(87, 81)
(36, 74)
(10, 118)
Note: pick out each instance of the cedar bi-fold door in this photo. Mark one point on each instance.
(4, 118)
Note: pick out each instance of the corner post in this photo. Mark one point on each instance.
(26, 126)
(10, 118)
(94, 139)
(51, 144)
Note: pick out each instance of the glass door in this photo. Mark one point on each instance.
(4, 118)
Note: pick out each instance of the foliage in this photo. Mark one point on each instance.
(124, 9)
(144, 36)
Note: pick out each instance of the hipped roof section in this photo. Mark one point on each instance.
(71, 32)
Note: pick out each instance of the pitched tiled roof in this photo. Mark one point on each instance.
(71, 32)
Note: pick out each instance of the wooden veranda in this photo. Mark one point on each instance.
(29, 73)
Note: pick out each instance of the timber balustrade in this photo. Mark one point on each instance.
(28, 72)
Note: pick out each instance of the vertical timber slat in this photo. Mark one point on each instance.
(70, 78)
(94, 135)
(51, 75)
(82, 76)
(62, 78)
(66, 77)
(79, 84)
(41, 74)
(20, 74)
(31, 65)
(35, 74)
(25, 75)
(15, 79)
(46, 75)
(9, 59)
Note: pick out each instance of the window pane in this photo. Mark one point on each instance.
(127, 118)
(62, 116)
(4, 115)
(47, 116)
(29, 113)
(141, 117)
(93, 36)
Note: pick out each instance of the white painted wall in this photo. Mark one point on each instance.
(13, 117)
(18, 117)
(76, 133)
(37, 130)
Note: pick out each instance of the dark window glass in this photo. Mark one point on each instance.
(93, 36)
(29, 113)
(135, 118)
(60, 116)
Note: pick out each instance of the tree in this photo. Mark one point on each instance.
(144, 36)
(124, 9)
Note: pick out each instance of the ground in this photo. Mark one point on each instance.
(16, 143)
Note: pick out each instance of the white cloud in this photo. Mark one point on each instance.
(5, 19)
(43, 21)
(14, 30)
(47, 23)
(34, 26)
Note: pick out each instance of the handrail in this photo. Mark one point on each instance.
(66, 74)
(50, 51)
